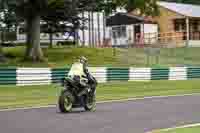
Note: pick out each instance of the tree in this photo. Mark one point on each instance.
(54, 15)
(148, 7)
(8, 22)
(49, 28)
(145, 7)
(57, 18)
(33, 11)
(2, 7)
(71, 17)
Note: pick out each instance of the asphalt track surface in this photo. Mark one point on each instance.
(138, 116)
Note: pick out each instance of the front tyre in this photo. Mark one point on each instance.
(65, 102)
(90, 103)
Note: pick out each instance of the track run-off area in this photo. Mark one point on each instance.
(132, 116)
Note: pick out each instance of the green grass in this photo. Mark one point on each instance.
(12, 96)
(182, 130)
(64, 56)
(60, 57)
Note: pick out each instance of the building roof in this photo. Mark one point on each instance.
(183, 9)
(125, 19)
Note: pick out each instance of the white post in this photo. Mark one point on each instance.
(83, 30)
(143, 32)
(188, 31)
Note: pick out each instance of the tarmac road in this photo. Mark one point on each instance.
(137, 116)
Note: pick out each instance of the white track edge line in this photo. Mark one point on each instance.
(108, 101)
(178, 127)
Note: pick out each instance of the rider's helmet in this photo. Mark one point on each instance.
(83, 60)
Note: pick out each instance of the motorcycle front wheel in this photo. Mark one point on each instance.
(90, 103)
(65, 101)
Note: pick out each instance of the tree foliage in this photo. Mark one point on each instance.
(148, 7)
(8, 22)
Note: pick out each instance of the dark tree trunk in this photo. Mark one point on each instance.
(1, 51)
(33, 50)
(51, 40)
(74, 36)
(2, 57)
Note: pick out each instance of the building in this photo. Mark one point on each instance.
(127, 30)
(107, 31)
(179, 21)
(177, 25)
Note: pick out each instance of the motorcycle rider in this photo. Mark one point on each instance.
(80, 69)
(91, 80)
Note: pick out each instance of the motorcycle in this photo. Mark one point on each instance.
(73, 96)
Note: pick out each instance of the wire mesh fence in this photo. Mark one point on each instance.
(158, 57)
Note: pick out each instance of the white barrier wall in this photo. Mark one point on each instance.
(139, 74)
(178, 73)
(100, 73)
(33, 76)
(43, 76)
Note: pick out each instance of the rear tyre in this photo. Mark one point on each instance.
(65, 102)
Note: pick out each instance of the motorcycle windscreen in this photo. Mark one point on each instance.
(76, 69)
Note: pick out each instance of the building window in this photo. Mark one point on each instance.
(179, 26)
(176, 27)
(195, 26)
(119, 32)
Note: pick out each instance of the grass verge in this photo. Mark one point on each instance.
(135, 57)
(29, 96)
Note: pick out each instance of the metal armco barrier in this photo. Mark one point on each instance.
(43, 76)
